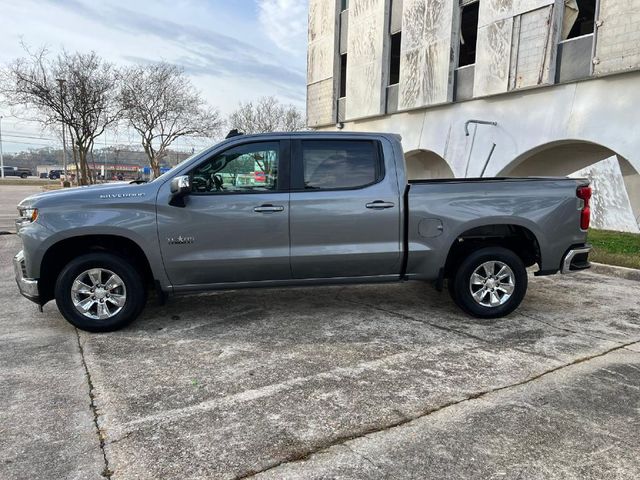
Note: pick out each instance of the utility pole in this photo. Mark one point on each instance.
(61, 82)
(1, 154)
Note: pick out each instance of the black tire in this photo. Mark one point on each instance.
(23, 175)
(136, 294)
(461, 288)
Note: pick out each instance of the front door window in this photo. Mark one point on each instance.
(251, 168)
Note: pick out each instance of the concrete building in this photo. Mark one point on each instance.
(488, 87)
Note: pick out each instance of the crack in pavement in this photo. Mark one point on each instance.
(409, 317)
(449, 329)
(302, 456)
(106, 472)
(363, 456)
(568, 330)
(260, 392)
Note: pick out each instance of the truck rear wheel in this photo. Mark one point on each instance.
(490, 283)
(100, 292)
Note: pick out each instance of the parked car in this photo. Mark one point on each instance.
(17, 172)
(55, 174)
(330, 208)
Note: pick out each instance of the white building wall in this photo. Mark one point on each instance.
(610, 205)
(593, 119)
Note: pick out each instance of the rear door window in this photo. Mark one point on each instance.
(340, 164)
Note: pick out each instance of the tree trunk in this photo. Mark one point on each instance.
(84, 166)
(155, 166)
(75, 161)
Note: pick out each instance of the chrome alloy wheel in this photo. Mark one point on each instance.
(98, 294)
(492, 284)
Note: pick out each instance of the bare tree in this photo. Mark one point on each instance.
(267, 114)
(162, 105)
(85, 104)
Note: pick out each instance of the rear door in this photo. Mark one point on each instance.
(344, 209)
(234, 226)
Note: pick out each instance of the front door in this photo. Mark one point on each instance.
(234, 226)
(345, 210)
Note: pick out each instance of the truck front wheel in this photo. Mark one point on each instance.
(100, 292)
(490, 283)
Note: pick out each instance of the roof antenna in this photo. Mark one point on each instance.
(233, 133)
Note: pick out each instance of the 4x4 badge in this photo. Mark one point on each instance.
(180, 240)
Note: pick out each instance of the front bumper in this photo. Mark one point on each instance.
(27, 286)
(576, 259)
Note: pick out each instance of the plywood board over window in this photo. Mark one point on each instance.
(535, 47)
(425, 63)
(618, 43)
(516, 45)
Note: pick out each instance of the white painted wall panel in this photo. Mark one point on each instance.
(425, 64)
(321, 62)
(366, 54)
(494, 10)
(493, 56)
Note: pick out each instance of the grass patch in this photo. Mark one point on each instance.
(615, 248)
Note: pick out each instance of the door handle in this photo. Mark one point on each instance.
(380, 205)
(268, 208)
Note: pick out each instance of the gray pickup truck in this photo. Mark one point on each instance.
(17, 172)
(296, 209)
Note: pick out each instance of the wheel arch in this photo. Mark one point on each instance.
(64, 250)
(523, 240)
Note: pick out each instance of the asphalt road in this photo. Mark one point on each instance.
(386, 381)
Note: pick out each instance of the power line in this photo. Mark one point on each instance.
(57, 141)
(27, 143)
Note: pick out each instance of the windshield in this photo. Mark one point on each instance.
(170, 172)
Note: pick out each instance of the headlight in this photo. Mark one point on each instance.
(28, 214)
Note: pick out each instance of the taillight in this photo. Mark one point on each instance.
(584, 194)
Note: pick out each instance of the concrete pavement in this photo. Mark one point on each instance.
(385, 381)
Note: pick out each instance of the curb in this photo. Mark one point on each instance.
(614, 271)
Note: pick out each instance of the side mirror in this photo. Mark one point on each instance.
(180, 187)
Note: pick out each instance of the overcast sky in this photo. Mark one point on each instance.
(233, 50)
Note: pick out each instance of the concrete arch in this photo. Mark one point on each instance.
(426, 164)
(619, 191)
(557, 158)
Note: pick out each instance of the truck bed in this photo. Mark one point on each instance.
(485, 179)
